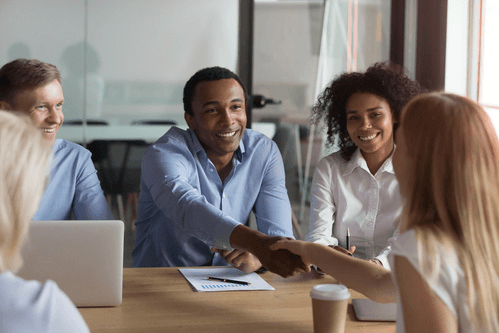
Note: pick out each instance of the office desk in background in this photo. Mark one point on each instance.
(161, 300)
(147, 133)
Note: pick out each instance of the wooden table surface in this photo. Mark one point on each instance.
(161, 300)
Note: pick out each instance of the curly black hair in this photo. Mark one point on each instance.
(383, 79)
(207, 74)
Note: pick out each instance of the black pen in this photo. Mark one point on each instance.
(227, 280)
(348, 239)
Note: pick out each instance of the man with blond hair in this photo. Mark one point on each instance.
(34, 88)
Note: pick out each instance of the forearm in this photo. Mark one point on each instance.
(246, 239)
(371, 280)
(185, 206)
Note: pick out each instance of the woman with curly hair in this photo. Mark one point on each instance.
(444, 274)
(355, 189)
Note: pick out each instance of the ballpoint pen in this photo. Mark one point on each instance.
(348, 239)
(227, 280)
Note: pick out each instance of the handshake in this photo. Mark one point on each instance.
(269, 253)
(284, 256)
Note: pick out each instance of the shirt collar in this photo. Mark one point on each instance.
(358, 161)
(197, 147)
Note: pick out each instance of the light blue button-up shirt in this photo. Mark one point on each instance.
(73, 187)
(184, 208)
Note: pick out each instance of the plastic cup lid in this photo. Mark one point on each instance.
(330, 292)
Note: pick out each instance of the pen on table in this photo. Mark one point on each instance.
(227, 280)
(348, 239)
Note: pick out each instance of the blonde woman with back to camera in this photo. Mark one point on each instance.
(26, 306)
(445, 262)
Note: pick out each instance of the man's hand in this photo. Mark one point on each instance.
(281, 262)
(296, 247)
(242, 260)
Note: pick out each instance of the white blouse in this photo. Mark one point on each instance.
(449, 286)
(346, 195)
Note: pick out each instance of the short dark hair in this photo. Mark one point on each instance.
(386, 80)
(25, 74)
(207, 74)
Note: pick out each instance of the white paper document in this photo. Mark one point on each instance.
(198, 278)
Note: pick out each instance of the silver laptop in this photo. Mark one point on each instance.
(84, 258)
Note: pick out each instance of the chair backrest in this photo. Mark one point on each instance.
(92, 122)
(154, 122)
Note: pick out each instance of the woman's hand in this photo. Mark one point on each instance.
(297, 247)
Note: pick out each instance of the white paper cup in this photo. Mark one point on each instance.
(329, 306)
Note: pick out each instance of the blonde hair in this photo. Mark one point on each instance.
(453, 194)
(24, 165)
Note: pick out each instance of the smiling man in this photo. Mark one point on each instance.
(34, 87)
(199, 186)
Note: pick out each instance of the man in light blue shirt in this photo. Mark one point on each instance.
(73, 188)
(199, 186)
(34, 87)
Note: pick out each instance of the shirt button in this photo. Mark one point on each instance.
(223, 195)
(211, 169)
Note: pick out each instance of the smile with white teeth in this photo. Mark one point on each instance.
(48, 130)
(367, 138)
(227, 135)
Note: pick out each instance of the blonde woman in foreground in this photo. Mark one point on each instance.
(445, 263)
(26, 306)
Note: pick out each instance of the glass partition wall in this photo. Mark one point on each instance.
(299, 47)
(122, 61)
(123, 64)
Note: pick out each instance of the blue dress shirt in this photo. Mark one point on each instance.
(73, 187)
(184, 208)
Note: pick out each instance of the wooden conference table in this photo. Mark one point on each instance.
(161, 300)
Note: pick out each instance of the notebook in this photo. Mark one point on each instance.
(368, 310)
(84, 258)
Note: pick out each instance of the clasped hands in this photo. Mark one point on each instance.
(280, 255)
(279, 261)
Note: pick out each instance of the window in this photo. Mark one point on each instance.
(472, 69)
